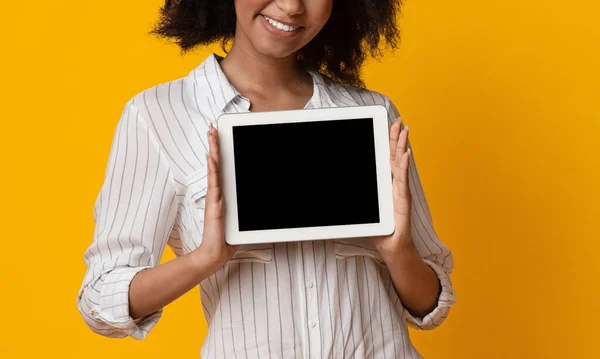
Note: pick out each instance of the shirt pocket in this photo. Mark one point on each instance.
(197, 184)
(261, 252)
(360, 246)
(197, 187)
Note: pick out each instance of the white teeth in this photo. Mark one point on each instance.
(281, 26)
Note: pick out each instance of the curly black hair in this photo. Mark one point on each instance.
(355, 29)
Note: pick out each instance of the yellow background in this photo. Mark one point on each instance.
(502, 101)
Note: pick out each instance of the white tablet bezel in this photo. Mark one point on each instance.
(379, 114)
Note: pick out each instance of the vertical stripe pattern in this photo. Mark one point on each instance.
(316, 299)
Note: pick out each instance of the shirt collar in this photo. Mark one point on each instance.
(210, 77)
(328, 93)
(316, 101)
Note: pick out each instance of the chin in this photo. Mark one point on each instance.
(274, 51)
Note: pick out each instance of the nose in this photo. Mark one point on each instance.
(291, 7)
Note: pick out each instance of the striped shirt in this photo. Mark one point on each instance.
(310, 299)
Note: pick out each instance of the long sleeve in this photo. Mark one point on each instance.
(134, 215)
(429, 246)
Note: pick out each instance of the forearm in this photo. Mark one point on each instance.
(152, 289)
(416, 283)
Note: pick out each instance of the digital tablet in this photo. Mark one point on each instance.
(307, 174)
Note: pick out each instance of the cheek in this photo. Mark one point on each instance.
(319, 11)
(244, 11)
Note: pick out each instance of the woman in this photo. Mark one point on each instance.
(342, 298)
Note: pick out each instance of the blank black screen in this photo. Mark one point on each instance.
(305, 174)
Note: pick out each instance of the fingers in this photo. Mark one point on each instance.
(214, 193)
(400, 169)
(213, 140)
(394, 134)
(214, 209)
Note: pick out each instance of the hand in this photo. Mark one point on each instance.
(400, 240)
(213, 247)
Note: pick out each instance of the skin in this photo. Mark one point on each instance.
(261, 65)
(415, 281)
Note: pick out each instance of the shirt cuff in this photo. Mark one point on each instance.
(113, 307)
(446, 299)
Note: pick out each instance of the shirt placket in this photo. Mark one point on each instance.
(312, 304)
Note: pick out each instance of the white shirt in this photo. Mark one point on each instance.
(313, 299)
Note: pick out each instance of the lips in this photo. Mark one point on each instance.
(281, 25)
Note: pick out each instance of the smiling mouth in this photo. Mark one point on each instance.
(280, 25)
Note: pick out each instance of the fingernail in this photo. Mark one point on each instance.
(406, 127)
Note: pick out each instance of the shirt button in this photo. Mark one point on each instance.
(312, 324)
(310, 284)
